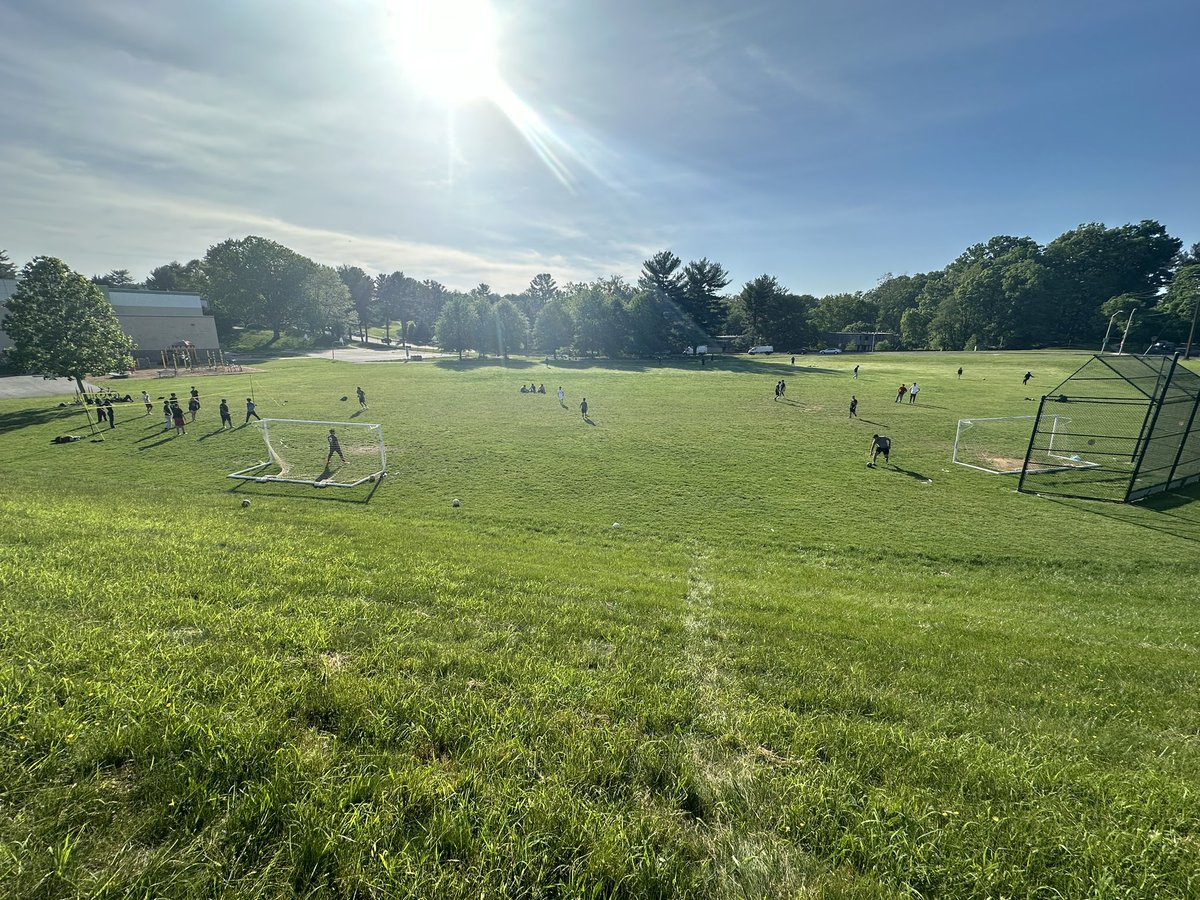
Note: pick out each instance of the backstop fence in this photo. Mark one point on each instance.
(1126, 427)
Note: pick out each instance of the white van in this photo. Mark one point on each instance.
(762, 348)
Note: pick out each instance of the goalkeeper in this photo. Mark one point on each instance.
(334, 447)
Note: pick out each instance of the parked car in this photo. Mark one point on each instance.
(762, 348)
(1160, 348)
(828, 350)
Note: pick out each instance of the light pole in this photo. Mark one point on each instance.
(1119, 312)
(1192, 331)
(1128, 325)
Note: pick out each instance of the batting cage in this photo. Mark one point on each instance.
(1120, 428)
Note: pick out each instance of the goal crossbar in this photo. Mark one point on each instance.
(374, 470)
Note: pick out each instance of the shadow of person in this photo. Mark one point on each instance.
(588, 421)
(911, 474)
(205, 437)
(356, 414)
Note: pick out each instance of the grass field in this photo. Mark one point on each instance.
(783, 675)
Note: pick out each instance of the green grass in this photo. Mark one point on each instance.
(783, 675)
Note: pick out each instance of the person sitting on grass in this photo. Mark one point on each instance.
(880, 443)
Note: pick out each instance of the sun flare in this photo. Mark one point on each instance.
(448, 47)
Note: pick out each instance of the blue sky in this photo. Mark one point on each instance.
(823, 143)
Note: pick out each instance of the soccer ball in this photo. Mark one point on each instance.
(455, 502)
(245, 503)
(371, 478)
(616, 524)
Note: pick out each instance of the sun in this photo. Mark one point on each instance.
(448, 48)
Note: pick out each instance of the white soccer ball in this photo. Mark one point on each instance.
(245, 503)
(455, 502)
(616, 524)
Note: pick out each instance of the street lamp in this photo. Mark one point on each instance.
(1192, 331)
(1119, 312)
(1128, 325)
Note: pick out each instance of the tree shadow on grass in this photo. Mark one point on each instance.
(682, 363)
(23, 418)
(468, 365)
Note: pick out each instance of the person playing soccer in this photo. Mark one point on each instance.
(146, 400)
(226, 419)
(912, 393)
(251, 410)
(583, 407)
(334, 447)
(901, 393)
(561, 396)
(853, 407)
(1025, 380)
(880, 443)
(362, 397)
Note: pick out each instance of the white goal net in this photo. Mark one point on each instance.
(323, 454)
(999, 445)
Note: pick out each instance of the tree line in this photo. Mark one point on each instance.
(1006, 293)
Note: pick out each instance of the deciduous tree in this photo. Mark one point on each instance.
(458, 325)
(554, 328)
(62, 324)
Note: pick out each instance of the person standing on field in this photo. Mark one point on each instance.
(583, 407)
(146, 400)
(960, 371)
(334, 447)
(167, 417)
(900, 393)
(177, 418)
(362, 397)
(912, 393)
(856, 373)
(193, 407)
(853, 407)
(562, 397)
(251, 411)
(226, 419)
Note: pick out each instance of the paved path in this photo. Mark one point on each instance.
(36, 386)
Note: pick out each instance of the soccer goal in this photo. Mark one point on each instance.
(1000, 445)
(300, 452)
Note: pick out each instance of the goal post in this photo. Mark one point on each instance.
(994, 445)
(299, 451)
(1001, 445)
